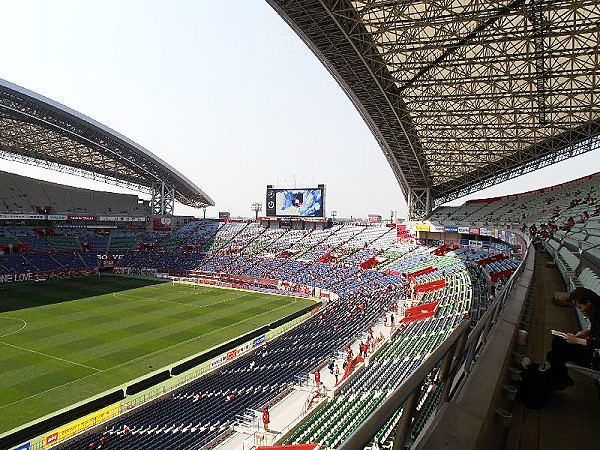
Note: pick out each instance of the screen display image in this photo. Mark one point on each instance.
(295, 202)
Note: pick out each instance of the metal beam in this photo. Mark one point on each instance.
(461, 95)
(468, 39)
(335, 34)
(39, 129)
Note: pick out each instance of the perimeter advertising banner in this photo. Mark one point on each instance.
(257, 342)
(401, 231)
(16, 277)
(43, 276)
(82, 424)
(109, 260)
(463, 230)
(451, 229)
(237, 352)
(23, 216)
(500, 247)
(510, 238)
(475, 245)
(121, 219)
(83, 218)
(485, 232)
(162, 223)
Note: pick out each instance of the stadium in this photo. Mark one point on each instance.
(126, 326)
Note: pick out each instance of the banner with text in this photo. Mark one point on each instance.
(81, 425)
(42, 276)
(161, 223)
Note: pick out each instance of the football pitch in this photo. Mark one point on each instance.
(62, 342)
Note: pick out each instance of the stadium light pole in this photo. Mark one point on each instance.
(256, 207)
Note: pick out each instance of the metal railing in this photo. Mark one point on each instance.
(454, 358)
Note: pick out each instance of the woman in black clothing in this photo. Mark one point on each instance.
(580, 348)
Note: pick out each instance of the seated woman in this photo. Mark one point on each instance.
(579, 347)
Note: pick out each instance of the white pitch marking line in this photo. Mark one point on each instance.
(14, 332)
(118, 365)
(47, 390)
(196, 337)
(51, 356)
(177, 303)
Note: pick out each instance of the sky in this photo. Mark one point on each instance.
(224, 91)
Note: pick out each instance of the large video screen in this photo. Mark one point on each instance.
(306, 202)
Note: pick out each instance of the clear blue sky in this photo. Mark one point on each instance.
(222, 90)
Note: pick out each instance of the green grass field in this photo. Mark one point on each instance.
(62, 342)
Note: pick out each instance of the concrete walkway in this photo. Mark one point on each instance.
(571, 419)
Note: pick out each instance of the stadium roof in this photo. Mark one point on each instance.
(40, 131)
(462, 94)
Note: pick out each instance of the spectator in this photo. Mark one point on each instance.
(581, 348)
(266, 418)
(363, 349)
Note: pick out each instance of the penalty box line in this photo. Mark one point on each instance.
(51, 356)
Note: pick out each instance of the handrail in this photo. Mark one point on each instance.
(378, 418)
(455, 354)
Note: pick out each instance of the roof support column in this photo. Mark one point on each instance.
(420, 203)
(163, 199)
